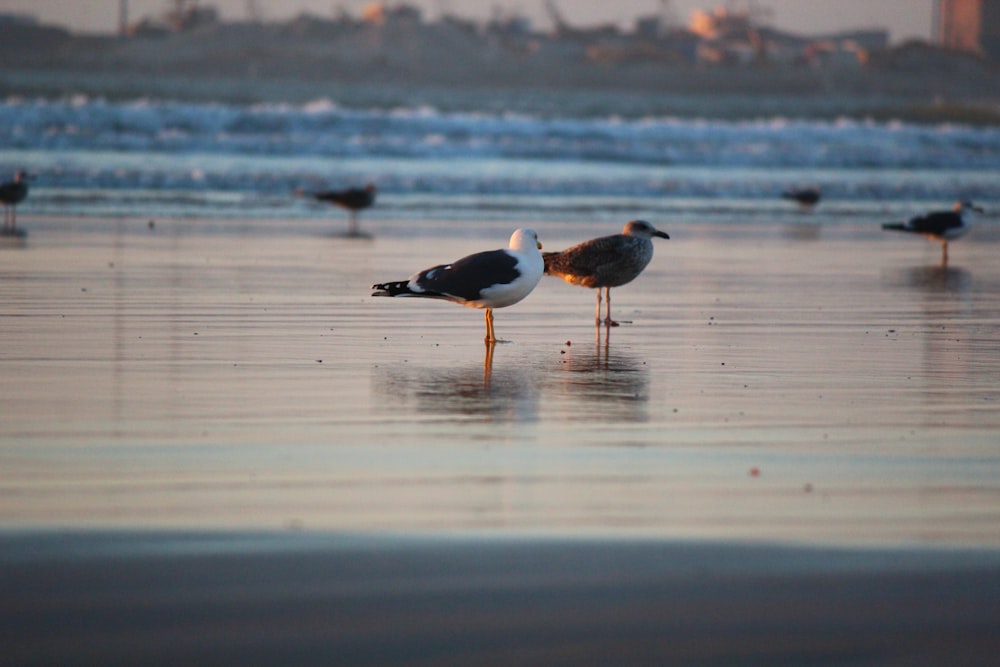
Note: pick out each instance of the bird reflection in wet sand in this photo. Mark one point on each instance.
(602, 343)
(508, 392)
(609, 384)
(940, 226)
(488, 363)
(944, 279)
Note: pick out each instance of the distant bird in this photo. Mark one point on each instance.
(805, 197)
(13, 193)
(352, 199)
(491, 279)
(606, 262)
(941, 226)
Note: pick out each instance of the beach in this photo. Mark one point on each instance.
(167, 599)
(789, 444)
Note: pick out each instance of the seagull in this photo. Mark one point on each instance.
(606, 262)
(13, 193)
(352, 199)
(806, 197)
(490, 279)
(941, 226)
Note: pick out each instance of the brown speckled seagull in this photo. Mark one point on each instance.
(606, 262)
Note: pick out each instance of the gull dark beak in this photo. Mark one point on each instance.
(662, 235)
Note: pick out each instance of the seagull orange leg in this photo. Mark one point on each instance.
(490, 336)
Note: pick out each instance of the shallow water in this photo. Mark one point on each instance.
(462, 157)
(773, 382)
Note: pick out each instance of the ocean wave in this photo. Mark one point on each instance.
(97, 157)
(324, 128)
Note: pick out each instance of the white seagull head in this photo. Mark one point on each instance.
(524, 239)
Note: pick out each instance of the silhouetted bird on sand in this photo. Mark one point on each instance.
(941, 226)
(490, 279)
(13, 193)
(805, 197)
(352, 199)
(606, 262)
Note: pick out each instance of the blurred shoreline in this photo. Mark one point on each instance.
(117, 598)
(586, 100)
(454, 65)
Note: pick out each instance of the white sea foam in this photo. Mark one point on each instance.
(269, 150)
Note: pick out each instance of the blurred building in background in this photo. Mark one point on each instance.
(969, 25)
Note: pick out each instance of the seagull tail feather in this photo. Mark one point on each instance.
(551, 259)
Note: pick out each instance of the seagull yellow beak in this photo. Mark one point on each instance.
(539, 243)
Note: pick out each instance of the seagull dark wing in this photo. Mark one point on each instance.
(468, 277)
(935, 223)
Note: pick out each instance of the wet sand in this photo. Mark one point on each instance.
(157, 599)
(780, 395)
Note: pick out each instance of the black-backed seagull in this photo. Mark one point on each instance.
(941, 226)
(352, 199)
(490, 279)
(806, 197)
(606, 262)
(13, 193)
